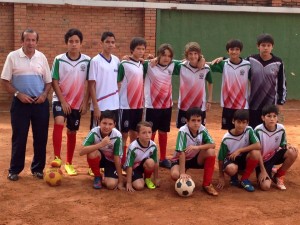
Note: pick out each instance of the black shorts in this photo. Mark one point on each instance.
(181, 118)
(190, 164)
(94, 123)
(277, 159)
(73, 119)
(109, 167)
(227, 117)
(129, 118)
(240, 161)
(160, 119)
(138, 172)
(255, 117)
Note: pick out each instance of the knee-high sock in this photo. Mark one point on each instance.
(280, 172)
(250, 166)
(148, 173)
(162, 139)
(57, 139)
(209, 166)
(71, 143)
(94, 165)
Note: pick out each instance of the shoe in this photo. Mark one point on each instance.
(234, 181)
(274, 169)
(70, 170)
(149, 183)
(56, 162)
(210, 190)
(279, 181)
(246, 184)
(166, 163)
(13, 176)
(38, 175)
(90, 172)
(97, 183)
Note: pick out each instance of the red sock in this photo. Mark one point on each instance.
(209, 166)
(153, 136)
(57, 138)
(147, 173)
(94, 164)
(250, 166)
(71, 143)
(124, 155)
(280, 172)
(162, 139)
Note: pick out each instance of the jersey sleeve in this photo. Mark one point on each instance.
(92, 68)
(121, 72)
(154, 155)
(283, 141)
(130, 157)
(181, 141)
(208, 77)
(252, 137)
(207, 139)
(177, 66)
(89, 140)
(55, 69)
(281, 86)
(118, 150)
(217, 67)
(145, 67)
(223, 152)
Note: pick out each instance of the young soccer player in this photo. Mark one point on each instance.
(195, 150)
(141, 160)
(70, 96)
(274, 149)
(103, 84)
(239, 151)
(192, 87)
(131, 82)
(235, 82)
(103, 147)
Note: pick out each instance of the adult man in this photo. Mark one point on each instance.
(26, 75)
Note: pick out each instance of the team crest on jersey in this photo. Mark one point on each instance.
(276, 139)
(246, 140)
(274, 70)
(82, 67)
(126, 123)
(242, 72)
(183, 119)
(201, 76)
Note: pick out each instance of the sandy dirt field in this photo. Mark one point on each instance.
(32, 201)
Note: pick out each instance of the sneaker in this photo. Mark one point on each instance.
(246, 184)
(149, 183)
(70, 170)
(38, 175)
(56, 162)
(97, 183)
(166, 163)
(279, 181)
(13, 176)
(210, 190)
(90, 172)
(234, 181)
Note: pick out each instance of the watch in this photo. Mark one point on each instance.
(16, 93)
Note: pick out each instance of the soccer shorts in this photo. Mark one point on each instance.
(94, 123)
(160, 119)
(138, 172)
(227, 117)
(190, 164)
(129, 118)
(240, 161)
(109, 167)
(255, 117)
(181, 118)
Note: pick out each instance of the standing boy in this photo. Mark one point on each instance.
(195, 150)
(70, 96)
(103, 85)
(141, 160)
(103, 147)
(239, 151)
(274, 149)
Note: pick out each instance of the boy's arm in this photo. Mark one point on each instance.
(281, 87)
(117, 161)
(65, 106)
(92, 92)
(221, 182)
(155, 175)
(86, 96)
(129, 179)
(255, 146)
(182, 174)
(84, 150)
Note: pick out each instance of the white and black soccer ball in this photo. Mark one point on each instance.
(185, 188)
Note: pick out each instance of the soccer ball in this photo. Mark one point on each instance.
(53, 176)
(185, 188)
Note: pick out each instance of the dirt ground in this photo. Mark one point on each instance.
(32, 201)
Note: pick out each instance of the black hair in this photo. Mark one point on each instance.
(195, 111)
(29, 30)
(72, 32)
(270, 109)
(162, 48)
(143, 123)
(136, 41)
(234, 43)
(107, 114)
(265, 38)
(107, 34)
(241, 114)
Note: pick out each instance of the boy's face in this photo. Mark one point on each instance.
(270, 120)
(193, 57)
(74, 44)
(108, 45)
(166, 58)
(145, 134)
(240, 125)
(265, 49)
(106, 126)
(234, 53)
(138, 52)
(194, 123)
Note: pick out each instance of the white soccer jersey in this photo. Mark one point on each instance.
(235, 83)
(131, 74)
(270, 141)
(115, 148)
(105, 73)
(231, 143)
(192, 91)
(137, 153)
(71, 76)
(185, 139)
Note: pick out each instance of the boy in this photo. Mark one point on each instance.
(103, 147)
(102, 78)
(142, 159)
(195, 150)
(268, 81)
(274, 149)
(131, 82)
(192, 84)
(239, 151)
(235, 80)
(70, 96)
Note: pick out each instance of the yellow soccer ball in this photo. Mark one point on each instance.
(53, 176)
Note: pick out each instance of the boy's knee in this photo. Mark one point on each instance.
(175, 176)
(138, 186)
(111, 185)
(255, 154)
(231, 169)
(211, 152)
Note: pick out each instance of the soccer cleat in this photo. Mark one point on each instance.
(90, 172)
(234, 181)
(56, 162)
(97, 183)
(166, 163)
(246, 184)
(149, 183)
(38, 175)
(210, 190)
(13, 176)
(279, 181)
(70, 170)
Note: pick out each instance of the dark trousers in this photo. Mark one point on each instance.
(21, 117)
